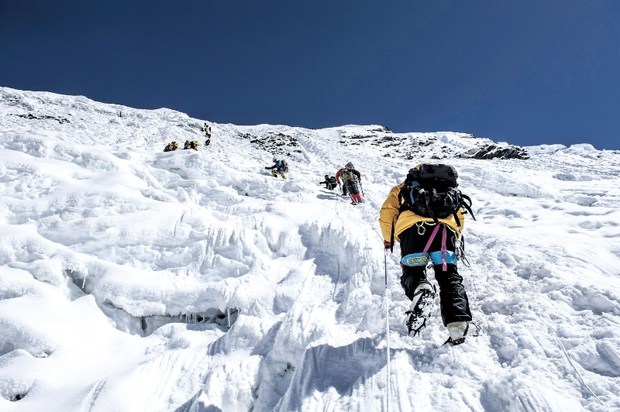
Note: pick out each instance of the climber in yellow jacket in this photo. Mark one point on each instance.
(425, 214)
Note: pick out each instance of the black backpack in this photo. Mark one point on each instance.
(431, 190)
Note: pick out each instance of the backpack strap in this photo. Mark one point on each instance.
(401, 198)
(428, 206)
(444, 248)
(456, 219)
(406, 195)
(430, 239)
(466, 203)
(392, 234)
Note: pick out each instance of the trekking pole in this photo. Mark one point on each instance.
(387, 334)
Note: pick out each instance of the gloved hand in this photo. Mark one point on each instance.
(387, 244)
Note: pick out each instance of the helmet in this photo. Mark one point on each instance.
(274, 160)
(349, 165)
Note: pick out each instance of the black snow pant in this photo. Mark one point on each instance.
(453, 299)
(352, 187)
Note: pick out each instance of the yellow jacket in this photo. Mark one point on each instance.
(390, 213)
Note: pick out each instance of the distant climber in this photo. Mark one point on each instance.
(330, 182)
(171, 146)
(280, 167)
(351, 183)
(191, 144)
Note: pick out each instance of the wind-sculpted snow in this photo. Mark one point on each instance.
(136, 279)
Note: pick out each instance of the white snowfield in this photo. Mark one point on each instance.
(137, 280)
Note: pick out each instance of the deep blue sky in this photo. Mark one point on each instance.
(526, 72)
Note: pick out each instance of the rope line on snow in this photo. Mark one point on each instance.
(568, 357)
(387, 336)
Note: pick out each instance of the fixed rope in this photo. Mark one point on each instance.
(387, 333)
(567, 355)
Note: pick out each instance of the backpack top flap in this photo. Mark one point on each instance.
(438, 176)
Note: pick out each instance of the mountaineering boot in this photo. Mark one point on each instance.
(458, 331)
(421, 306)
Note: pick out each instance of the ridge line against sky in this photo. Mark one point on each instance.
(529, 72)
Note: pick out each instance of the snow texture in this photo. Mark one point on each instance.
(133, 279)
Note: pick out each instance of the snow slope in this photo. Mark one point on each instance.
(137, 280)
